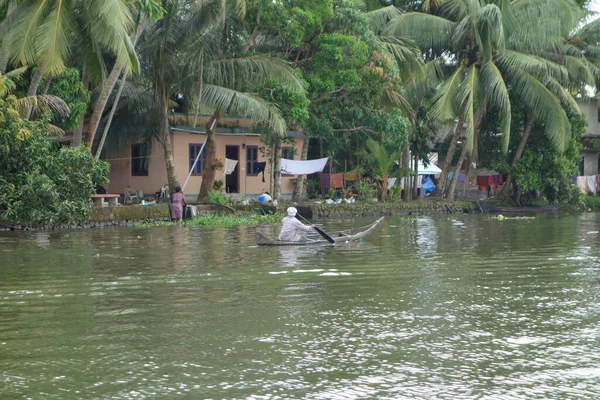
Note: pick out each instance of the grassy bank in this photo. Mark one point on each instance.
(592, 202)
(219, 221)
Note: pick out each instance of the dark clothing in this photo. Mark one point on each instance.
(260, 167)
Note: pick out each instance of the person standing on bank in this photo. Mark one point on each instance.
(291, 227)
(177, 204)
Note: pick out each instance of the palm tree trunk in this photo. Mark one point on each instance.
(454, 179)
(277, 168)
(47, 88)
(33, 87)
(416, 178)
(519, 152)
(109, 85)
(299, 187)
(111, 115)
(78, 131)
(439, 190)
(406, 179)
(168, 151)
(476, 123)
(208, 177)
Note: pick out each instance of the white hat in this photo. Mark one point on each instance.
(291, 211)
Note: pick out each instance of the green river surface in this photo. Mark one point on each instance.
(428, 307)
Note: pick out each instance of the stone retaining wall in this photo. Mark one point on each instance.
(128, 215)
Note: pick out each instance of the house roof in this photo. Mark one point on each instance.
(228, 126)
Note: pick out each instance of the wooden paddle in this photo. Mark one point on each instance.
(325, 236)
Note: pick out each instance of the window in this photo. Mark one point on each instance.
(251, 160)
(140, 156)
(287, 153)
(201, 164)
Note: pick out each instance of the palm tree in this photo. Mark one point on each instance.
(43, 33)
(382, 162)
(148, 10)
(186, 54)
(32, 106)
(491, 48)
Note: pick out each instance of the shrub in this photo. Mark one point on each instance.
(218, 198)
(40, 182)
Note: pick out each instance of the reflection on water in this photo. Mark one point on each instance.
(454, 307)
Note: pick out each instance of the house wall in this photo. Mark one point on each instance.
(121, 177)
(590, 109)
(590, 162)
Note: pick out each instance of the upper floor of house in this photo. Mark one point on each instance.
(589, 107)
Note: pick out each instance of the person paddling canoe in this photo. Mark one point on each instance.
(291, 227)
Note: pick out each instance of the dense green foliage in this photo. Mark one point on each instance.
(40, 182)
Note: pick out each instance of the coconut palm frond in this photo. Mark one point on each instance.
(535, 95)
(510, 61)
(56, 130)
(580, 70)
(446, 102)
(563, 95)
(42, 103)
(232, 102)
(406, 54)
(458, 9)
(9, 80)
(391, 98)
(429, 32)
(381, 17)
(497, 92)
(468, 90)
(253, 69)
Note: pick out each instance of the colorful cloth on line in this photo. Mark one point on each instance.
(591, 184)
(335, 181)
(461, 177)
(229, 166)
(489, 181)
(582, 184)
(299, 167)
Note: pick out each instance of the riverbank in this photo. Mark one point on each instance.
(218, 215)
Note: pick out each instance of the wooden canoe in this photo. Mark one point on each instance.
(348, 235)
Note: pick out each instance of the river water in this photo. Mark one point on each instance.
(448, 307)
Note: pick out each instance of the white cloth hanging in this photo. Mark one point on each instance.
(297, 167)
(229, 166)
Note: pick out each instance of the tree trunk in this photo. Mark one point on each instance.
(406, 165)
(519, 152)
(416, 178)
(208, 177)
(454, 179)
(439, 189)
(299, 187)
(168, 150)
(111, 115)
(277, 168)
(33, 87)
(77, 132)
(108, 87)
(47, 88)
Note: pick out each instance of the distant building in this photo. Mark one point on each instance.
(590, 164)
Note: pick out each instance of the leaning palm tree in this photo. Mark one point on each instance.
(489, 49)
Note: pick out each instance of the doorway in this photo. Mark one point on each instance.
(232, 181)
